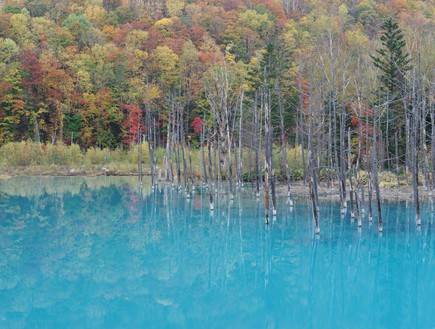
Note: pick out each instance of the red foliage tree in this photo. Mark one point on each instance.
(155, 38)
(132, 123)
(33, 80)
(197, 125)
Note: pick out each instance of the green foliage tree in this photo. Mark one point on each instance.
(392, 59)
(37, 8)
(393, 62)
(11, 10)
(8, 49)
(77, 24)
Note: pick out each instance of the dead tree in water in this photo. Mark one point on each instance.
(358, 200)
(192, 175)
(266, 193)
(230, 159)
(169, 174)
(349, 160)
(204, 166)
(267, 158)
(183, 148)
(210, 173)
(375, 169)
(415, 123)
(367, 167)
(284, 164)
(424, 115)
(269, 150)
(139, 160)
(311, 170)
(223, 91)
(257, 146)
(269, 181)
(312, 182)
(236, 164)
(342, 144)
(397, 161)
(301, 122)
(176, 142)
(240, 166)
(150, 139)
(432, 138)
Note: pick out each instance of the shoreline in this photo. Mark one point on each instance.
(298, 189)
(387, 193)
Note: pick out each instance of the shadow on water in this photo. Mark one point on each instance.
(102, 252)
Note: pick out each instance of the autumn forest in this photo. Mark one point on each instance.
(350, 84)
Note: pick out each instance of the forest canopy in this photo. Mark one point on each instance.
(86, 71)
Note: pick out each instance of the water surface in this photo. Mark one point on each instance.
(98, 253)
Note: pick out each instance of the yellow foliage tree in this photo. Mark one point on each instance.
(174, 7)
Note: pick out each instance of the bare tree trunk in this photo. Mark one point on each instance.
(183, 151)
(375, 170)
(150, 139)
(220, 162)
(176, 147)
(266, 193)
(267, 150)
(329, 154)
(351, 192)
(427, 181)
(301, 123)
(204, 166)
(358, 186)
(407, 151)
(414, 151)
(397, 161)
(312, 188)
(240, 166)
(336, 157)
(215, 160)
(387, 139)
(312, 172)
(320, 123)
(368, 169)
(210, 172)
(156, 175)
(370, 195)
(342, 144)
(270, 143)
(432, 139)
(139, 162)
(257, 146)
(192, 175)
(358, 200)
(284, 164)
(236, 164)
(171, 145)
(168, 153)
(381, 149)
(37, 134)
(230, 161)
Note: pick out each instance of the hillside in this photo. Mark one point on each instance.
(84, 71)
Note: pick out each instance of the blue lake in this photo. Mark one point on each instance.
(96, 253)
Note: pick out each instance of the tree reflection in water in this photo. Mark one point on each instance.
(100, 252)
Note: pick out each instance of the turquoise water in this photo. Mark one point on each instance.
(95, 253)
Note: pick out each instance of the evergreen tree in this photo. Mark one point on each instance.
(392, 60)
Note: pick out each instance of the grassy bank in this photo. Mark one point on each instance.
(33, 159)
(29, 159)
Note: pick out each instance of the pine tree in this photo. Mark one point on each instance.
(392, 60)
